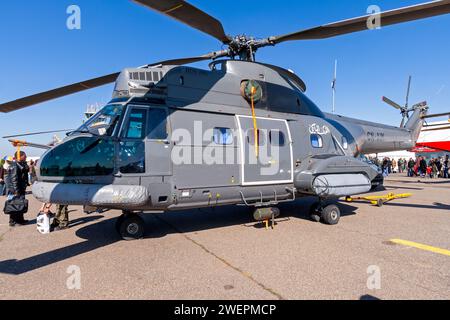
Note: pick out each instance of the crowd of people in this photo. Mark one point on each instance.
(418, 167)
(16, 175)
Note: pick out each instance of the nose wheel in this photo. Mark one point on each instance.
(130, 226)
(329, 214)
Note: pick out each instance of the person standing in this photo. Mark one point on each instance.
(423, 167)
(394, 166)
(16, 180)
(384, 167)
(438, 164)
(2, 178)
(61, 221)
(400, 165)
(411, 165)
(434, 169)
(22, 171)
(446, 163)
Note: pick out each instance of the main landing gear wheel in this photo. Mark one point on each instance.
(331, 214)
(328, 214)
(130, 227)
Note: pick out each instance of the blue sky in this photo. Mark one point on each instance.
(39, 53)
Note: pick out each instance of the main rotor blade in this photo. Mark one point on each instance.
(15, 143)
(391, 17)
(57, 93)
(433, 125)
(36, 133)
(392, 103)
(93, 83)
(436, 129)
(181, 61)
(190, 15)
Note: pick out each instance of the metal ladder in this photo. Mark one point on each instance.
(261, 203)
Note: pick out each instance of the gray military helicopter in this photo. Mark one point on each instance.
(241, 133)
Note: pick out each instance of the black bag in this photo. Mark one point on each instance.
(16, 206)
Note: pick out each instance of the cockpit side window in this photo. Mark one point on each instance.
(137, 124)
(132, 145)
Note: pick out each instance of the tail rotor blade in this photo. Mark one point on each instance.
(407, 92)
(392, 103)
(402, 125)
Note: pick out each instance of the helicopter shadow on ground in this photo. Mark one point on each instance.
(103, 233)
(435, 205)
(206, 219)
(389, 188)
(17, 267)
(435, 182)
(426, 181)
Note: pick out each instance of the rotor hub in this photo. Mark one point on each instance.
(245, 47)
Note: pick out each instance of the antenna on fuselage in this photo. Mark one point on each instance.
(333, 86)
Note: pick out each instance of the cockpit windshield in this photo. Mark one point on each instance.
(103, 122)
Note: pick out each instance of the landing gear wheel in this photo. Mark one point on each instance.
(380, 203)
(119, 221)
(331, 214)
(314, 213)
(131, 227)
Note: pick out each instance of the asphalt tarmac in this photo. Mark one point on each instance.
(398, 251)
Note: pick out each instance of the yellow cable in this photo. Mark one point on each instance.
(255, 124)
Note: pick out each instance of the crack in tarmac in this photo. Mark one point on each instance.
(223, 260)
(3, 234)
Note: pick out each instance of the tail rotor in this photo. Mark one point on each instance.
(404, 110)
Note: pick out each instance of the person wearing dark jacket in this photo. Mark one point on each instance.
(2, 178)
(23, 170)
(16, 180)
(446, 166)
(423, 167)
(411, 165)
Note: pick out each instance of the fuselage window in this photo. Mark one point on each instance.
(157, 120)
(316, 141)
(132, 146)
(132, 157)
(136, 128)
(277, 138)
(223, 136)
(260, 136)
(344, 143)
